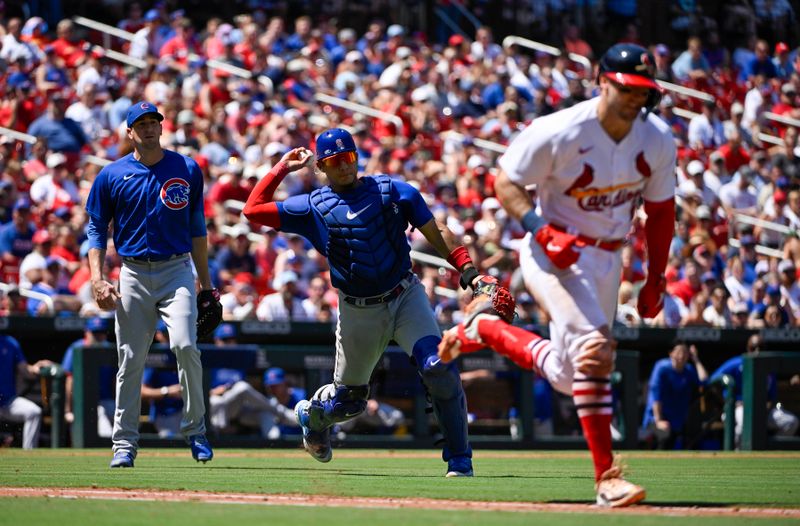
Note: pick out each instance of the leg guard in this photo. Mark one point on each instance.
(443, 385)
(331, 405)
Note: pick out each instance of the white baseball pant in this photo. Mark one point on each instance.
(580, 299)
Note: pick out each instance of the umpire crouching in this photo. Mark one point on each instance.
(155, 199)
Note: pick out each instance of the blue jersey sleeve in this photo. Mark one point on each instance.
(656, 381)
(99, 207)
(412, 201)
(66, 361)
(299, 217)
(147, 376)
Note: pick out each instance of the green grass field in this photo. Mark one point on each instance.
(675, 482)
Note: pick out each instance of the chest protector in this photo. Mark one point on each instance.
(367, 248)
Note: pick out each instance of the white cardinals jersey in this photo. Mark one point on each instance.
(586, 181)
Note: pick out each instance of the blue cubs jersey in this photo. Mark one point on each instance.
(14, 242)
(361, 231)
(734, 368)
(10, 356)
(162, 378)
(674, 390)
(156, 210)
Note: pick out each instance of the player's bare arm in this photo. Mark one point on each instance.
(514, 198)
(200, 258)
(443, 240)
(103, 292)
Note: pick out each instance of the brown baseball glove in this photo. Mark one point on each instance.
(490, 301)
(209, 312)
(489, 289)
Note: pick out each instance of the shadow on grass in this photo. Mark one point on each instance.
(660, 504)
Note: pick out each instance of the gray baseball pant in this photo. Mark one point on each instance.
(151, 290)
(23, 410)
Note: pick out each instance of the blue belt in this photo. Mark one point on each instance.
(152, 259)
(381, 298)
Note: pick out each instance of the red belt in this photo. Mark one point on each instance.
(612, 245)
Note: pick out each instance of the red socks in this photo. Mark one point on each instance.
(512, 342)
(592, 398)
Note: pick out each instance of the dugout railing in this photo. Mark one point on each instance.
(315, 363)
(755, 435)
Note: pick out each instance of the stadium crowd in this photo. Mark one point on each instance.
(68, 92)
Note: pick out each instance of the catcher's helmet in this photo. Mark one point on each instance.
(631, 65)
(333, 141)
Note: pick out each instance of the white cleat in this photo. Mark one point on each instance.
(613, 491)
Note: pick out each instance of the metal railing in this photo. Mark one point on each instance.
(728, 385)
(783, 119)
(513, 40)
(28, 293)
(360, 108)
(30, 139)
(480, 143)
(763, 137)
(756, 221)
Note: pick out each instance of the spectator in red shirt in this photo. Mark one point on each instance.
(733, 152)
(687, 287)
(175, 51)
(573, 42)
(230, 185)
(70, 49)
(787, 105)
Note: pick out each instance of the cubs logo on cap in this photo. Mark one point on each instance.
(175, 193)
(139, 110)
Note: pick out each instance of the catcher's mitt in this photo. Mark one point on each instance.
(209, 312)
(488, 288)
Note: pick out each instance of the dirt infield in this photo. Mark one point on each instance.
(388, 503)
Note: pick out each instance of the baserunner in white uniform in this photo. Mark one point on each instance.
(155, 199)
(592, 164)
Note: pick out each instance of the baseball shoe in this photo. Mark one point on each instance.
(317, 443)
(122, 459)
(459, 467)
(464, 337)
(613, 491)
(201, 449)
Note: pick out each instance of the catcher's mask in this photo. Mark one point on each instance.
(631, 65)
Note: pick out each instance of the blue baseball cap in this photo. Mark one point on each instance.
(23, 203)
(224, 331)
(96, 324)
(274, 376)
(140, 109)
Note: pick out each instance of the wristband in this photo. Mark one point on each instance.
(459, 257)
(164, 391)
(467, 277)
(531, 221)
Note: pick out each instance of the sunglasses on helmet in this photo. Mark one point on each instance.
(338, 159)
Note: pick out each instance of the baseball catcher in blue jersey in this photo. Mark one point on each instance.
(359, 224)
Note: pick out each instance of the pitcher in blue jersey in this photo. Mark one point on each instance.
(359, 224)
(155, 199)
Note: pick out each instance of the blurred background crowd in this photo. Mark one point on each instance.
(241, 86)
